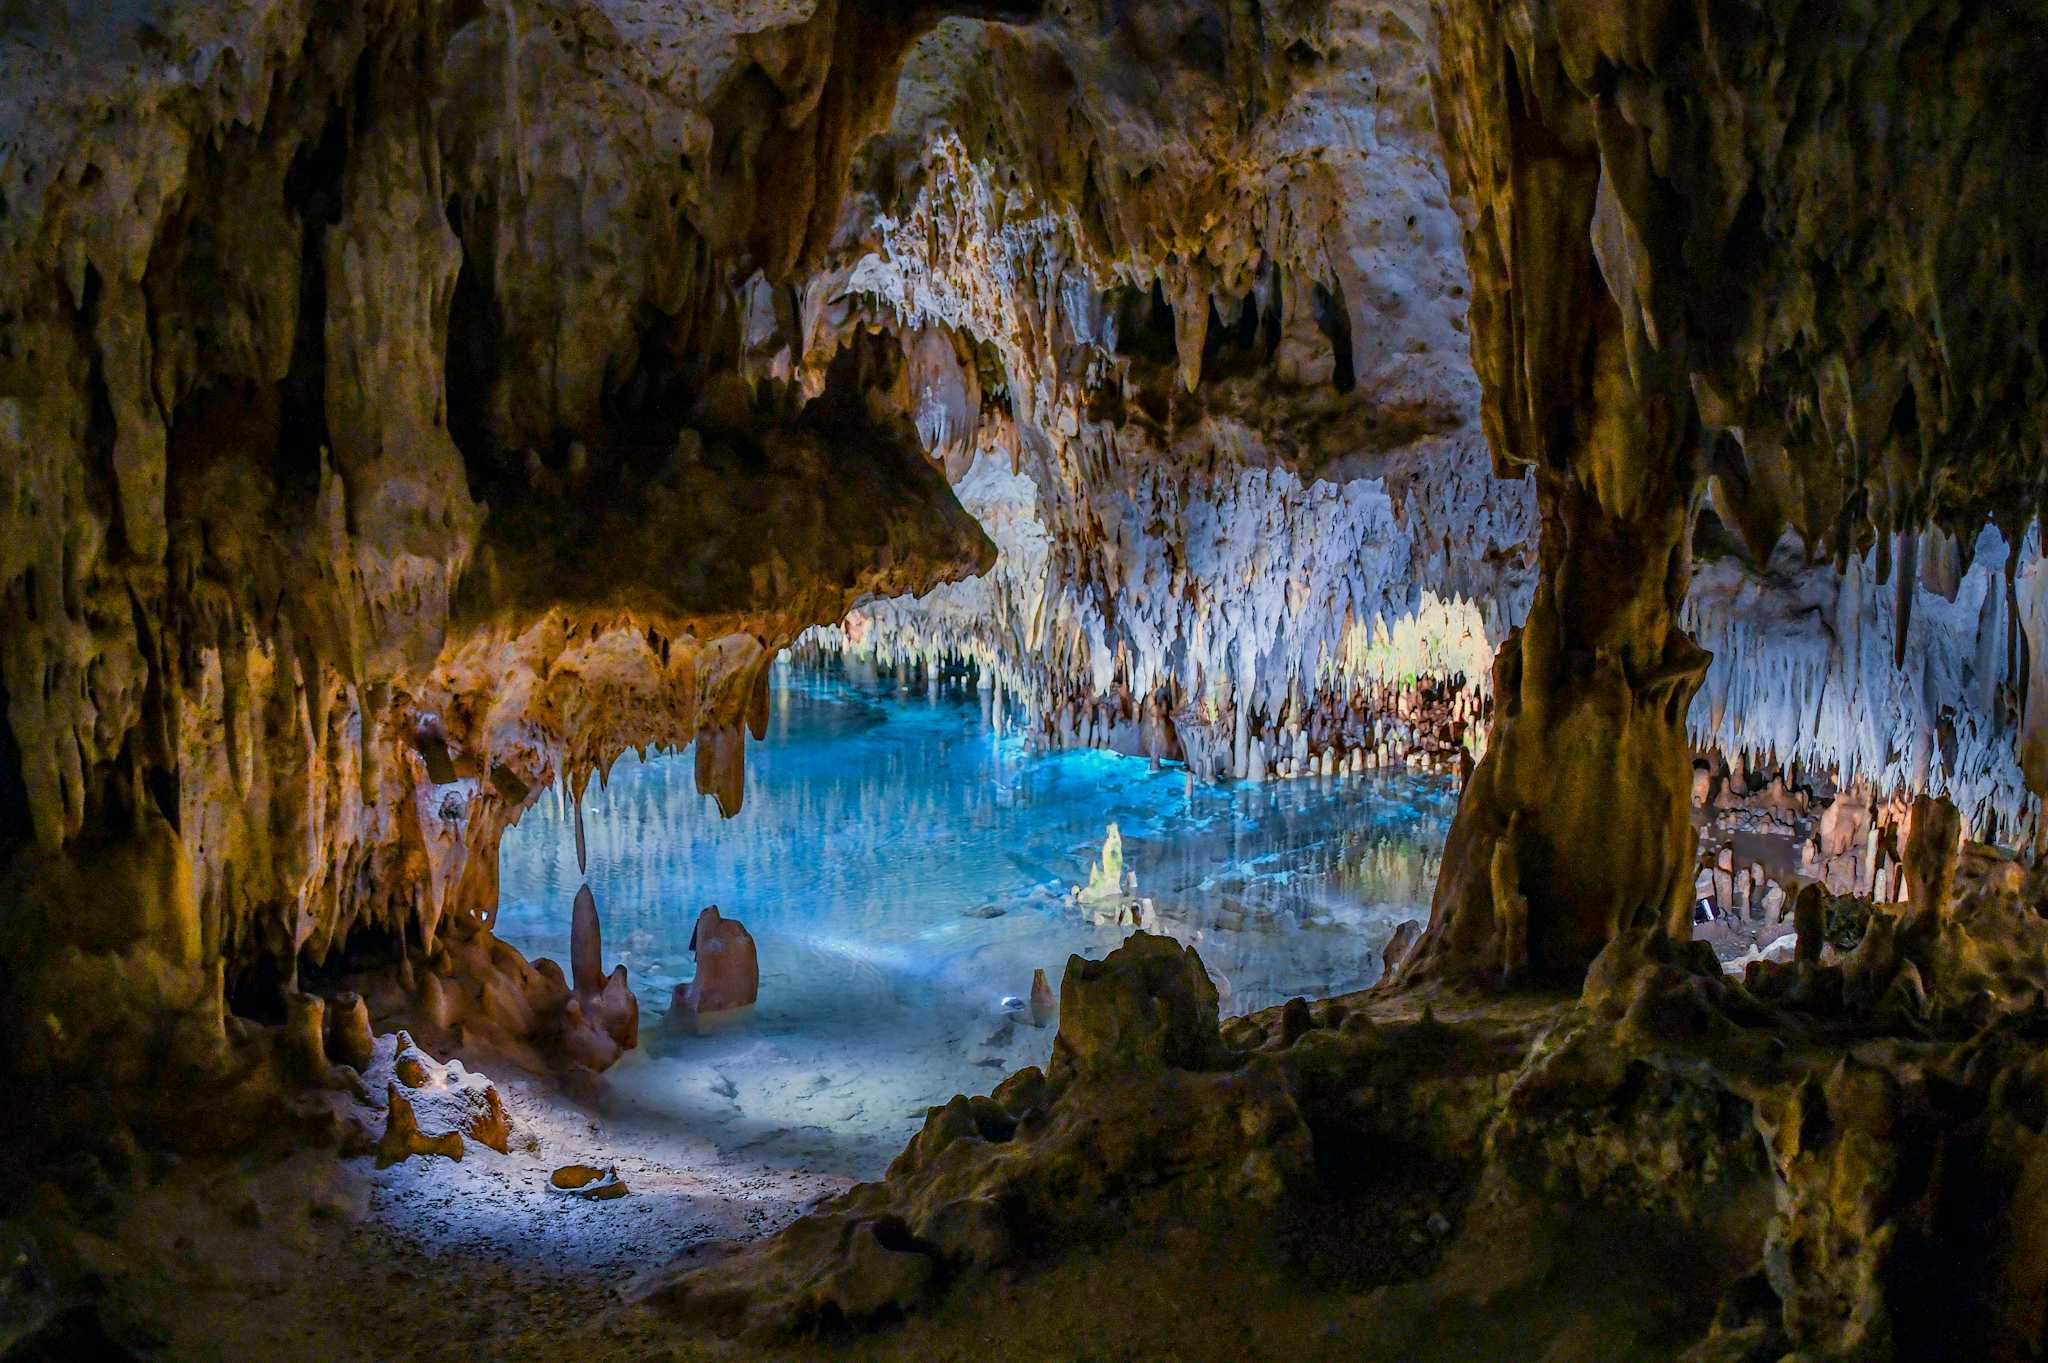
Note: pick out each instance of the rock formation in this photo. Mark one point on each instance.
(1043, 1006)
(1235, 448)
(728, 978)
(373, 459)
(408, 408)
(1620, 177)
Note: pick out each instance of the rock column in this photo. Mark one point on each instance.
(1575, 824)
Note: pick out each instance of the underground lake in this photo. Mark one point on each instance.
(904, 868)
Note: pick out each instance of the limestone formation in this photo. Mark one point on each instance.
(728, 979)
(1106, 877)
(1043, 1004)
(587, 1183)
(1140, 1080)
(402, 1138)
(1930, 854)
(349, 1039)
(349, 504)
(409, 407)
(1399, 945)
(1615, 360)
(1664, 1094)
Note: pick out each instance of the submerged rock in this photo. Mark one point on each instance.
(1045, 1008)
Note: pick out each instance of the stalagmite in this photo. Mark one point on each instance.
(349, 1038)
(1106, 877)
(1809, 920)
(1044, 1006)
(402, 1138)
(1930, 854)
(586, 960)
(306, 1037)
(728, 979)
(1399, 945)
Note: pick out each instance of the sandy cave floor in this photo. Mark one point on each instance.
(309, 1255)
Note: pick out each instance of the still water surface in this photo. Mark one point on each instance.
(903, 869)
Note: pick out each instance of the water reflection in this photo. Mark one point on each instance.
(895, 855)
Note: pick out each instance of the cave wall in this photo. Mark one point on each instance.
(1213, 313)
(376, 452)
(1716, 251)
(391, 404)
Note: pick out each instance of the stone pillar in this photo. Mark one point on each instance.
(1576, 823)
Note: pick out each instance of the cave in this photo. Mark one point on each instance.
(986, 679)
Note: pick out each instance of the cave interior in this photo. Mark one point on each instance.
(1358, 680)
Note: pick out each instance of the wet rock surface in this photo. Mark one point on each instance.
(350, 505)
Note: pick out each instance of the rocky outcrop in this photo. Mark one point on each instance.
(1140, 1082)
(1808, 1148)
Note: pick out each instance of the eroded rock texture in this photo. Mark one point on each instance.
(375, 452)
(1691, 265)
(1673, 1166)
(1188, 316)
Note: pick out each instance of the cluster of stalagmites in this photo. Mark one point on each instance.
(1380, 726)
(1766, 831)
(1822, 1135)
(1421, 725)
(474, 992)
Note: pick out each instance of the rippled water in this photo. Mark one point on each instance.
(903, 869)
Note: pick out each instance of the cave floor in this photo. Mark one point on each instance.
(308, 1255)
(304, 1254)
(308, 1284)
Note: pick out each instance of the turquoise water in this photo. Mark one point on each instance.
(903, 869)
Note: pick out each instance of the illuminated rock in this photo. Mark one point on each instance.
(728, 976)
(1106, 877)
